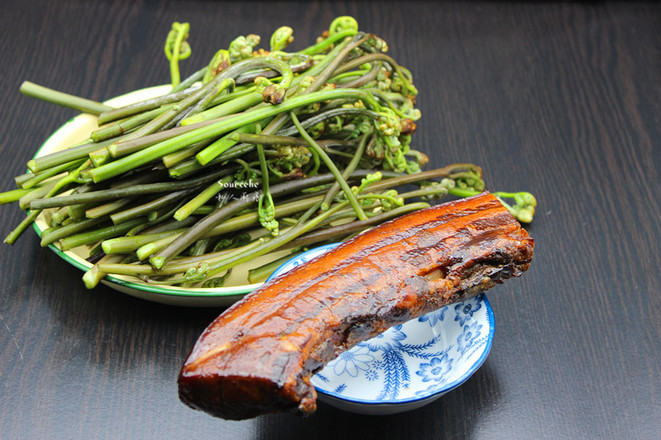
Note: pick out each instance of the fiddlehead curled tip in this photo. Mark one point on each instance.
(266, 210)
(281, 38)
(177, 48)
(437, 190)
(376, 43)
(196, 273)
(524, 205)
(366, 181)
(407, 126)
(219, 62)
(271, 93)
(242, 47)
(343, 23)
(389, 124)
(469, 179)
(176, 43)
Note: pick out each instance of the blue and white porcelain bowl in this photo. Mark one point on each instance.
(409, 365)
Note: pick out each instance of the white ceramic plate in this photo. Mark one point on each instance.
(77, 130)
(409, 365)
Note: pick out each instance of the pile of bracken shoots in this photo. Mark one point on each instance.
(260, 150)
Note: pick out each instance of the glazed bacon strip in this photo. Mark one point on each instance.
(259, 355)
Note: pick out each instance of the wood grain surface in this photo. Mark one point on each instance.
(560, 99)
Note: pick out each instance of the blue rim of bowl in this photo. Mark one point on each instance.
(319, 250)
(448, 387)
(201, 292)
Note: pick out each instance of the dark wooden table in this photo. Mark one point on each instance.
(560, 99)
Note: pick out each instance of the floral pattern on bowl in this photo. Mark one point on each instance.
(411, 364)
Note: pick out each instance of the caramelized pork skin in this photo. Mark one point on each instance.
(259, 355)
